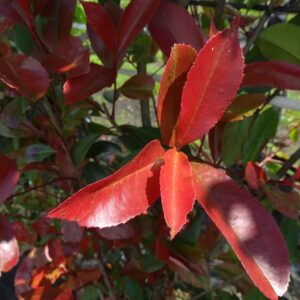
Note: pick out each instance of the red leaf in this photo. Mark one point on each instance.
(9, 249)
(120, 232)
(9, 177)
(171, 25)
(139, 86)
(177, 190)
(211, 84)
(136, 15)
(81, 87)
(247, 226)
(254, 175)
(281, 75)
(288, 203)
(68, 55)
(100, 21)
(71, 231)
(170, 91)
(119, 197)
(21, 232)
(25, 75)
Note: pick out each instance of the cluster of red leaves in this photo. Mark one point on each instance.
(196, 89)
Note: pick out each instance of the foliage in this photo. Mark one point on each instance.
(199, 201)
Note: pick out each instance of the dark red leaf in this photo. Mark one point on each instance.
(177, 190)
(170, 91)
(81, 87)
(9, 249)
(288, 203)
(254, 175)
(248, 228)
(119, 232)
(281, 75)
(21, 232)
(243, 106)
(139, 86)
(167, 30)
(71, 231)
(119, 197)
(9, 177)
(25, 75)
(68, 55)
(54, 252)
(102, 24)
(135, 17)
(211, 85)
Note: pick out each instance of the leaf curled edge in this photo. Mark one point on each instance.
(248, 228)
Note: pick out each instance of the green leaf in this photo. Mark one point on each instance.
(82, 147)
(255, 294)
(262, 130)
(235, 133)
(93, 172)
(23, 39)
(152, 264)
(90, 293)
(281, 42)
(38, 152)
(132, 289)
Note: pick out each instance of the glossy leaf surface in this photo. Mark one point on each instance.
(136, 15)
(139, 86)
(281, 75)
(170, 91)
(81, 87)
(166, 29)
(177, 190)
(9, 249)
(25, 75)
(9, 177)
(119, 197)
(248, 228)
(211, 85)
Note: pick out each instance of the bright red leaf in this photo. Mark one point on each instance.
(255, 175)
(9, 249)
(139, 86)
(81, 87)
(248, 228)
(211, 84)
(281, 75)
(170, 91)
(9, 177)
(25, 75)
(119, 197)
(135, 17)
(172, 24)
(177, 190)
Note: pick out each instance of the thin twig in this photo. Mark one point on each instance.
(289, 163)
(41, 186)
(219, 9)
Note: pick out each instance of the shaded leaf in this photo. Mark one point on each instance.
(247, 226)
(254, 175)
(281, 75)
(262, 130)
(25, 75)
(9, 249)
(119, 232)
(139, 86)
(211, 84)
(135, 17)
(177, 191)
(38, 152)
(243, 106)
(9, 177)
(166, 29)
(119, 197)
(81, 87)
(170, 91)
(288, 203)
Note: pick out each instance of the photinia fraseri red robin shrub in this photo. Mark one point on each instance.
(152, 227)
(189, 105)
